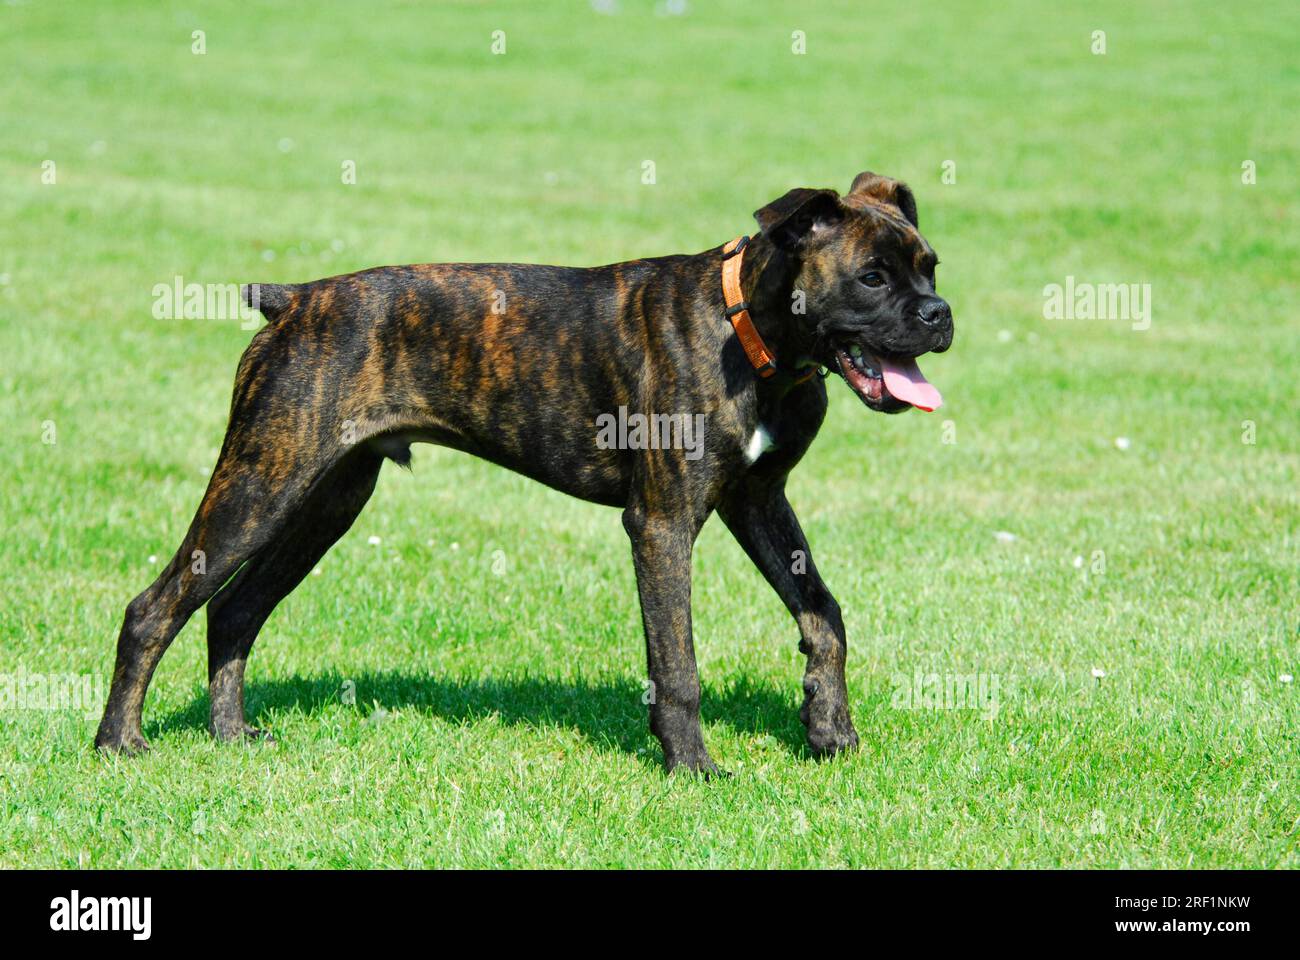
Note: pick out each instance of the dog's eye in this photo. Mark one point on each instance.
(872, 279)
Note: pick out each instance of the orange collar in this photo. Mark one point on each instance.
(761, 358)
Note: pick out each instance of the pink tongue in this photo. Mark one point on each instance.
(906, 383)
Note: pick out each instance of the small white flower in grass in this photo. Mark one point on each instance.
(1004, 536)
(1098, 673)
(1286, 678)
(374, 541)
(428, 543)
(1004, 336)
(152, 559)
(285, 144)
(1123, 443)
(316, 572)
(1078, 563)
(455, 546)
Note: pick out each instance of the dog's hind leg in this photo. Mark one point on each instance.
(270, 461)
(242, 511)
(238, 611)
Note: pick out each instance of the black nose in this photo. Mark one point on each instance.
(935, 312)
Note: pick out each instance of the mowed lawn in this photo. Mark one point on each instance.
(1100, 524)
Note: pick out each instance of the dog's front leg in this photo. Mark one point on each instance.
(661, 552)
(763, 522)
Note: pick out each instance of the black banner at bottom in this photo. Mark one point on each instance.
(1223, 909)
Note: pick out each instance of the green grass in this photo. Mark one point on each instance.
(498, 718)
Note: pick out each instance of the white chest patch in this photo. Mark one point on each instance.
(759, 444)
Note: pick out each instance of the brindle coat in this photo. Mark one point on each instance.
(514, 363)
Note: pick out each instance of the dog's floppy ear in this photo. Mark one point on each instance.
(787, 221)
(886, 190)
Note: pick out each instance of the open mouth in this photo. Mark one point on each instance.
(889, 385)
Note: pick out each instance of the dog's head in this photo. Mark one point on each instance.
(864, 277)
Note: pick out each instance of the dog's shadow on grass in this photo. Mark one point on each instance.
(609, 714)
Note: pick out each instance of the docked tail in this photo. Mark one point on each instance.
(272, 299)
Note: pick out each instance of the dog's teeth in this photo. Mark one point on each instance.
(871, 372)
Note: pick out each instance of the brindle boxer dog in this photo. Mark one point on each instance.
(515, 363)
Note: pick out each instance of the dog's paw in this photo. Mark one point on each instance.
(697, 763)
(826, 715)
(826, 742)
(241, 731)
(126, 745)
